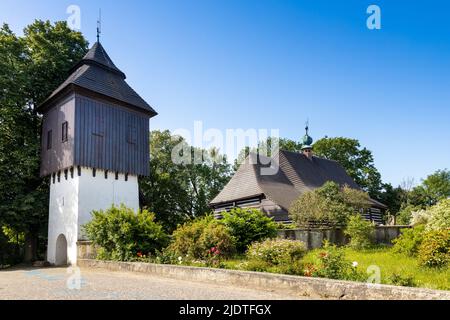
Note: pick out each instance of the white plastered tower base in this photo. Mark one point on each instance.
(73, 199)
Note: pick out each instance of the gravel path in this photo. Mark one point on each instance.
(98, 284)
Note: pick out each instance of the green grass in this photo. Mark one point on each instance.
(391, 263)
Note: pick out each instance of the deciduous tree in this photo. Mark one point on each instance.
(31, 67)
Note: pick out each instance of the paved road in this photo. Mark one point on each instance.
(98, 284)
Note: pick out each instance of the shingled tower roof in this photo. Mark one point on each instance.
(97, 74)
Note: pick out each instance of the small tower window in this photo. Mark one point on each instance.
(49, 139)
(132, 135)
(65, 131)
(99, 127)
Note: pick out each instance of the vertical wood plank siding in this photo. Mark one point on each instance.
(98, 137)
(60, 155)
(101, 139)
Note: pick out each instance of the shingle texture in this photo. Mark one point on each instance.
(96, 72)
(296, 175)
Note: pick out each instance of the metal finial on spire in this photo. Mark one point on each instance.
(307, 140)
(99, 25)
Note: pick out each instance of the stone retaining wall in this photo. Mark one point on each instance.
(313, 238)
(301, 286)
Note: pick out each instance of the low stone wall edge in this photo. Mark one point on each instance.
(296, 285)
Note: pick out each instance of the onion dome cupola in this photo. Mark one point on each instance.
(307, 141)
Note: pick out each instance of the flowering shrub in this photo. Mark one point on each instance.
(435, 249)
(213, 258)
(277, 251)
(420, 217)
(360, 232)
(121, 233)
(248, 226)
(196, 239)
(276, 255)
(333, 265)
(439, 216)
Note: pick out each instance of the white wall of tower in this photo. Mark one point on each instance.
(73, 199)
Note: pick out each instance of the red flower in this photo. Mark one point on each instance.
(139, 254)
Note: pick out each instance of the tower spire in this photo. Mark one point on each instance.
(307, 141)
(99, 25)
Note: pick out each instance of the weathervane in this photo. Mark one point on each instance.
(99, 24)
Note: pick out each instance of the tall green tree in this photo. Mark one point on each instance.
(392, 198)
(437, 186)
(181, 190)
(31, 67)
(356, 160)
(433, 188)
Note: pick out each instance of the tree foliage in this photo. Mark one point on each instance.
(329, 205)
(31, 67)
(434, 188)
(176, 191)
(356, 160)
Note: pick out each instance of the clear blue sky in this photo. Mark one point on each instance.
(273, 64)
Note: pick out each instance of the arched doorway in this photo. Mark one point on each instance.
(61, 251)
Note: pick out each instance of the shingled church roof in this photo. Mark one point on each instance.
(296, 175)
(97, 73)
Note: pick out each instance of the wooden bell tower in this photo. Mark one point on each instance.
(95, 145)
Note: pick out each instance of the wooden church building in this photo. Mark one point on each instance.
(95, 145)
(295, 174)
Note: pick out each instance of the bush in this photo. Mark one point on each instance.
(277, 251)
(333, 265)
(439, 216)
(122, 234)
(277, 256)
(360, 231)
(397, 279)
(420, 217)
(435, 249)
(10, 253)
(409, 241)
(329, 205)
(248, 226)
(256, 265)
(405, 215)
(197, 238)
